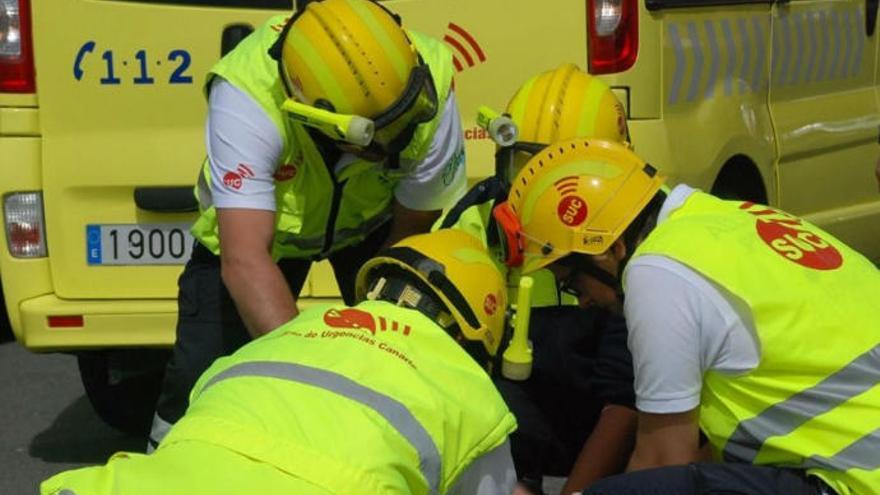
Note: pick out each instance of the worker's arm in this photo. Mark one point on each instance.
(254, 281)
(609, 446)
(435, 182)
(666, 440)
(406, 222)
(606, 450)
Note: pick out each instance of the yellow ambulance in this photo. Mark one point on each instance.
(101, 134)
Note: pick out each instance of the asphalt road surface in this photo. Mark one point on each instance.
(46, 423)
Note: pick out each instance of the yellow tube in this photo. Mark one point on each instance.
(516, 363)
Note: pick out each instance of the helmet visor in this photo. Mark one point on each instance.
(418, 104)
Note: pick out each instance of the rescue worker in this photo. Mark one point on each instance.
(746, 323)
(576, 412)
(389, 396)
(284, 183)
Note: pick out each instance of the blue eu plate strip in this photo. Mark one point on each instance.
(93, 244)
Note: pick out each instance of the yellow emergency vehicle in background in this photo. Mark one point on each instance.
(102, 113)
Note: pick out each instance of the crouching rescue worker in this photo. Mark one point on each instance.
(745, 322)
(329, 134)
(576, 412)
(389, 396)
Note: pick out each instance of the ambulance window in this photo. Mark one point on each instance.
(254, 4)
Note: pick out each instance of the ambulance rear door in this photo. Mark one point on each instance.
(122, 115)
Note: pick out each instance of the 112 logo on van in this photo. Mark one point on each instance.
(143, 61)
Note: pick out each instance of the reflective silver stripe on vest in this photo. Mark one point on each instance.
(340, 236)
(393, 411)
(857, 377)
(206, 198)
(863, 454)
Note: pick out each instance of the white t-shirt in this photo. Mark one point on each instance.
(244, 147)
(682, 325)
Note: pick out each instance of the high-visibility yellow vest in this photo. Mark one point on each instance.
(372, 399)
(305, 191)
(813, 402)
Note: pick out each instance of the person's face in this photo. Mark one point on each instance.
(588, 289)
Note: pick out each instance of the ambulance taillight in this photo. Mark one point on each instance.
(613, 34)
(16, 47)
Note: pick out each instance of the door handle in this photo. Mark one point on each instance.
(166, 199)
(232, 36)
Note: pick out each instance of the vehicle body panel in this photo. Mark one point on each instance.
(714, 88)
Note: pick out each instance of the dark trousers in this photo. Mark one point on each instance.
(209, 326)
(712, 479)
(580, 364)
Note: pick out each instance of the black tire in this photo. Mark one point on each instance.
(123, 385)
(5, 327)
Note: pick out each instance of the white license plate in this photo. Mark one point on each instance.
(138, 244)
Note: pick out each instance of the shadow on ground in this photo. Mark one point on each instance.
(78, 436)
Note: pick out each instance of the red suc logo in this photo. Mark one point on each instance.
(572, 210)
(232, 179)
(236, 179)
(789, 237)
(490, 304)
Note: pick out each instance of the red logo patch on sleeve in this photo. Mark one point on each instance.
(232, 180)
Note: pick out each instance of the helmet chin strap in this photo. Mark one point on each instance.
(605, 278)
(584, 263)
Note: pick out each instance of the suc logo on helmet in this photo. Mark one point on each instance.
(572, 210)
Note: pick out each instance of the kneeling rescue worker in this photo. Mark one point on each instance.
(329, 135)
(746, 323)
(576, 412)
(389, 396)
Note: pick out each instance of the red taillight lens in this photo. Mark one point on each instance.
(613, 30)
(16, 47)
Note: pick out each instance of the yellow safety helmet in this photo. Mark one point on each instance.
(562, 103)
(458, 271)
(575, 196)
(566, 103)
(352, 58)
